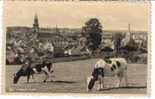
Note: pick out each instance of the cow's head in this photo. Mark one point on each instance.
(16, 78)
(90, 83)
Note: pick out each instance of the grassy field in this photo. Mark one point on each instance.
(70, 77)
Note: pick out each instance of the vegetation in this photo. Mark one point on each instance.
(92, 31)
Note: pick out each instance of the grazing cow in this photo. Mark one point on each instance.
(28, 70)
(110, 67)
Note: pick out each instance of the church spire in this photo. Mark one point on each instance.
(36, 23)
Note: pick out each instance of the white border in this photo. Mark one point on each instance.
(96, 97)
(1, 2)
(153, 51)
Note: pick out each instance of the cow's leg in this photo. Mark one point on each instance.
(46, 74)
(28, 77)
(32, 76)
(120, 80)
(102, 78)
(120, 76)
(125, 77)
(102, 82)
(99, 86)
(51, 77)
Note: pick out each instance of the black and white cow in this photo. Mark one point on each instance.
(105, 68)
(28, 70)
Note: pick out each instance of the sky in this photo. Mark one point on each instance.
(74, 15)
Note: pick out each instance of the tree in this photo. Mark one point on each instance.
(92, 31)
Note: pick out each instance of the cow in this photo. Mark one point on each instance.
(106, 68)
(28, 70)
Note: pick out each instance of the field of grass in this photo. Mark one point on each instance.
(70, 77)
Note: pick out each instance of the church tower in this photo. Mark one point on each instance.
(36, 24)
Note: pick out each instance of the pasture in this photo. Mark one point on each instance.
(70, 77)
